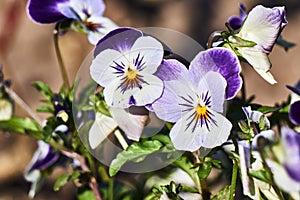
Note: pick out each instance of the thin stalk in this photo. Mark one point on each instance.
(61, 64)
(243, 90)
(212, 37)
(121, 139)
(23, 105)
(233, 180)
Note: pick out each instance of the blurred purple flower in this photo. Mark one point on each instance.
(124, 64)
(236, 22)
(43, 158)
(88, 13)
(294, 111)
(286, 171)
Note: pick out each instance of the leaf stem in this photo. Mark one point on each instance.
(61, 64)
(23, 105)
(233, 180)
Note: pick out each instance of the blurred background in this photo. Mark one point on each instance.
(27, 54)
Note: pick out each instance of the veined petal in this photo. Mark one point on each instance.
(215, 85)
(105, 26)
(150, 88)
(120, 39)
(172, 69)
(150, 53)
(190, 138)
(82, 9)
(220, 60)
(102, 69)
(101, 128)
(177, 94)
(45, 11)
(263, 25)
(131, 120)
(219, 133)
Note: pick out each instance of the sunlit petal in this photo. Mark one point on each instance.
(101, 128)
(263, 26)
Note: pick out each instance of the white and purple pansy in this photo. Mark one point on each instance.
(125, 64)
(43, 158)
(262, 26)
(286, 171)
(88, 13)
(194, 99)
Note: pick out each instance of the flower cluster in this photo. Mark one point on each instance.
(145, 107)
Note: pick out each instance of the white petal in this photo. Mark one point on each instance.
(131, 120)
(101, 70)
(147, 94)
(218, 134)
(259, 61)
(184, 138)
(151, 50)
(167, 107)
(262, 26)
(106, 26)
(282, 179)
(101, 128)
(215, 84)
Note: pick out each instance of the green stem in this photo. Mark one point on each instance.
(233, 180)
(212, 37)
(59, 56)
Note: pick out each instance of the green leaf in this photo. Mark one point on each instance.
(261, 175)
(86, 195)
(45, 109)
(186, 165)
(43, 89)
(267, 109)
(61, 181)
(64, 179)
(204, 169)
(136, 152)
(22, 125)
(224, 193)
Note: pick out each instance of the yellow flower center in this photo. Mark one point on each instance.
(202, 111)
(131, 74)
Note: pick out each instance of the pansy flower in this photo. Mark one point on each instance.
(43, 158)
(194, 99)
(257, 36)
(295, 104)
(88, 15)
(125, 64)
(286, 171)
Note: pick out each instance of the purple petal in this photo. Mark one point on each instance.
(43, 157)
(293, 170)
(45, 11)
(220, 60)
(291, 143)
(170, 70)
(294, 113)
(120, 39)
(236, 22)
(295, 89)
